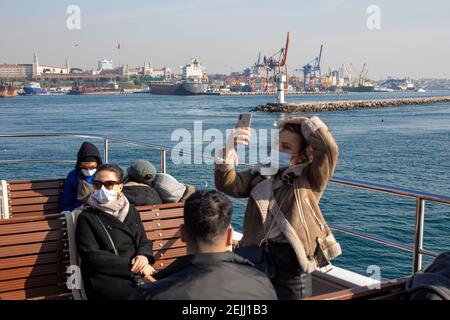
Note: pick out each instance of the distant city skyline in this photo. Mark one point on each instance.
(413, 41)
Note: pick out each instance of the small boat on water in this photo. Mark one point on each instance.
(34, 89)
(7, 90)
(110, 88)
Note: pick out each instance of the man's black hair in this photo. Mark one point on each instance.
(207, 214)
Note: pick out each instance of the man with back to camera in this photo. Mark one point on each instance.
(209, 271)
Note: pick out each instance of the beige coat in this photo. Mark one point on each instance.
(297, 191)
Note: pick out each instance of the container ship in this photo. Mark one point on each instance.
(193, 82)
(7, 90)
(363, 88)
(111, 88)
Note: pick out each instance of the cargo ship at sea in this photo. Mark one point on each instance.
(359, 88)
(110, 88)
(193, 82)
(34, 89)
(7, 90)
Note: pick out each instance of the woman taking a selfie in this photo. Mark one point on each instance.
(115, 253)
(283, 208)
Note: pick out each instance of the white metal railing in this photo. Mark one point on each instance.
(420, 197)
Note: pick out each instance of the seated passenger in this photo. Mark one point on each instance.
(115, 253)
(78, 184)
(170, 190)
(433, 283)
(138, 184)
(210, 271)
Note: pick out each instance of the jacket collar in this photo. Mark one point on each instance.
(201, 259)
(111, 221)
(292, 172)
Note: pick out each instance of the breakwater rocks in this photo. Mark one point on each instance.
(319, 106)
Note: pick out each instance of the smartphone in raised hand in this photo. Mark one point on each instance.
(244, 121)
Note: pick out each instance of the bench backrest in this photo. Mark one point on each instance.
(34, 247)
(33, 255)
(29, 198)
(161, 223)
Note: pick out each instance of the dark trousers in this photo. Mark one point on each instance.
(290, 282)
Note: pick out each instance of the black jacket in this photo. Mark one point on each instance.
(208, 276)
(141, 195)
(105, 275)
(433, 283)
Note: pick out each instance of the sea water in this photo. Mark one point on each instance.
(404, 146)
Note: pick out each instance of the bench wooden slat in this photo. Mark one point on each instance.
(161, 264)
(170, 253)
(52, 292)
(39, 207)
(31, 260)
(33, 282)
(30, 237)
(170, 243)
(34, 184)
(27, 249)
(33, 200)
(156, 207)
(37, 213)
(28, 272)
(30, 227)
(158, 214)
(36, 193)
(163, 234)
(387, 288)
(162, 224)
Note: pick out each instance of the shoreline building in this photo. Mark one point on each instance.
(105, 64)
(31, 71)
(16, 71)
(156, 73)
(39, 69)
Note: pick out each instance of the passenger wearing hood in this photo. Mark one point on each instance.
(78, 184)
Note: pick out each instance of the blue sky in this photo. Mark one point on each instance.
(414, 39)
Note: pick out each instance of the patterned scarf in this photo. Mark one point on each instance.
(118, 208)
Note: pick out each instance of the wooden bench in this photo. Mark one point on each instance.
(389, 290)
(30, 198)
(161, 223)
(34, 244)
(33, 256)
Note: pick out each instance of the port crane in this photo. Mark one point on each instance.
(277, 62)
(348, 74)
(311, 70)
(363, 75)
(253, 72)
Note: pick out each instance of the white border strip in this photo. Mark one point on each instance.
(4, 205)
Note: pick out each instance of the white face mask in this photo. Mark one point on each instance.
(88, 172)
(104, 195)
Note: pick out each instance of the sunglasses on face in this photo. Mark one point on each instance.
(108, 184)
